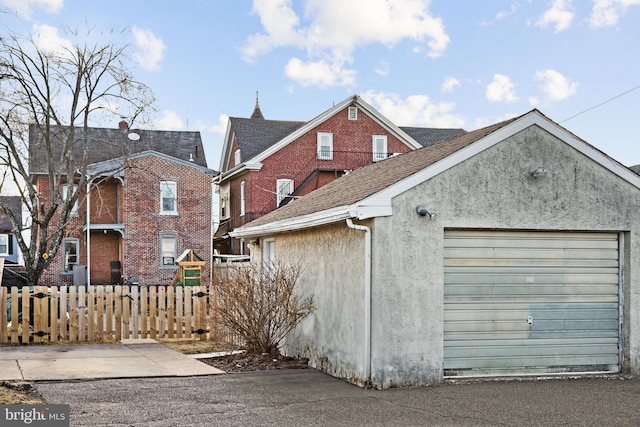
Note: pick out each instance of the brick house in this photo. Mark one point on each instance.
(149, 199)
(8, 246)
(266, 164)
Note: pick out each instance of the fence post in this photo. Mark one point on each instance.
(118, 302)
(4, 337)
(63, 307)
(54, 314)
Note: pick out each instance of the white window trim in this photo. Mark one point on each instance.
(236, 157)
(65, 192)
(280, 183)
(162, 253)
(377, 155)
(243, 185)
(7, 242)
(175, 199)
(268, 253)
(352, 113)
(64, 254)
(321, 156)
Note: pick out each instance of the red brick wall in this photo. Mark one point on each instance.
(104, 202)
(352, 136)
(139, 250)
(105, 247)
(144, 225)
(53, 275)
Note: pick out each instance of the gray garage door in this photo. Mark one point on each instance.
(530, 302)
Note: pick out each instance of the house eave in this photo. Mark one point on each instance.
(240, 169)
(366, 209)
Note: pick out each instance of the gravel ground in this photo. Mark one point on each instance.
(310, 398)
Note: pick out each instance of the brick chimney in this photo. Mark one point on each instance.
(123, 125)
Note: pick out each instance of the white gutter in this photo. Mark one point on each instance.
(367, 296)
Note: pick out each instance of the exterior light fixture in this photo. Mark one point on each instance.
(539, 172)
(424, 211)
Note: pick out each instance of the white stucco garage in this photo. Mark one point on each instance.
(510, 250)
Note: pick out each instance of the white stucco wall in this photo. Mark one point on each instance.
(491, 190)
(333, 272)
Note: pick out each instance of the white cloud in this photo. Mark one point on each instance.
(25, 8)
(415, 110)
(556, 86)
(501, 89)
(47, 39)
(333, 29)
(449, 84)
(513, 8)
(607, 12)
(219, 128)
(150, 49)
(560, 15)
(169, 121)
(319, 73)
(382, 69)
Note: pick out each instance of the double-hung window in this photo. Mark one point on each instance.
(379, 147)
(325, 146)
(168, 251)
(68, 190)
(168, 198)
(284, 187)
(70, 254)
(4, 244)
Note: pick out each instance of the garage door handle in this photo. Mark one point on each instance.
(530, 320)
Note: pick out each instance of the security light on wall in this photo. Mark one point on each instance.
(539, 172)
(422, 210)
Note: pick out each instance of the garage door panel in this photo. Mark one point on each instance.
(567, 283)
(515, 290)
(544, 364)
(500, 276)
(520, 312)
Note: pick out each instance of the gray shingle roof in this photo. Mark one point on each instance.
(106, 144)
(428, 136)
(14, 204)
(256, 135)
(636, 169)
(368, 180)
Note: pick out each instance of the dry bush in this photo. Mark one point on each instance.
(260, 304)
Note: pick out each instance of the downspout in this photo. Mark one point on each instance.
(367, 296)
(88, 231)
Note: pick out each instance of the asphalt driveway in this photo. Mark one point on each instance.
(311, 398)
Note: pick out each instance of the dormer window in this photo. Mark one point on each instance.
(236, 158)
(353, 113)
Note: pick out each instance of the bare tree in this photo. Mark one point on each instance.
(56, 93)
(260, 304)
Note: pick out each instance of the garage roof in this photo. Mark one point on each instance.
(367, 192)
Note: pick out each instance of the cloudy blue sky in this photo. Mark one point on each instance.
(432, 63)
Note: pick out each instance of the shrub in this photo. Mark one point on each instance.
(260, 304)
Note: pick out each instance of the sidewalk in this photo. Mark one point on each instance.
(129, 359)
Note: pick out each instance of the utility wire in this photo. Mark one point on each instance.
(601, 104)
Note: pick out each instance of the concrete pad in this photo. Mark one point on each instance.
(92, 361)
(10, 371)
